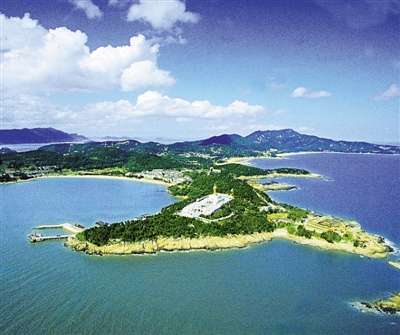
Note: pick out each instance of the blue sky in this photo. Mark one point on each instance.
(199, 68)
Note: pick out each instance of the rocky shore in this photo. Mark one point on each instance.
(374, 250)
(391, 305)
(169, 244)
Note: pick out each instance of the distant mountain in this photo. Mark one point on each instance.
(286, 140)
(37, 135)
(223, 139)
(227, 145)
(6, 151)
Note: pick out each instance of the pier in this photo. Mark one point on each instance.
(72, 228)
(40, 238)
(69, 227)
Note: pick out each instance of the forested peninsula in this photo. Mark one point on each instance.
(247, 216)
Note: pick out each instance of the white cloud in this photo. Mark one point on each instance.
(393, 91)
(144, 73)
(91, 10)
(302, 92)
(25, 110)
(161, 14)
(37, 60)
(152, 103)
(15, 31)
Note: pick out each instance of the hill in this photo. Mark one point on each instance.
(285, 140)
(37, 135)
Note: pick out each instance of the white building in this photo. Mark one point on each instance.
(205, 206)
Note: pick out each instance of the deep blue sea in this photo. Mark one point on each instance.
(272, 288)
(365, 188)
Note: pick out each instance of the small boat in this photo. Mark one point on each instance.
(35, 237)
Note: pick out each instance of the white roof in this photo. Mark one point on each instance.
(205, 206)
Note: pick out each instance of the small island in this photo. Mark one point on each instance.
(390, 305)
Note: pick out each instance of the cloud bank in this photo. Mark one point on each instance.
(153, 103)
(20, 109)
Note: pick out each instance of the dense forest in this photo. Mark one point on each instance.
(246, 218)
(242, 215)
(248, 171)
(97, 158)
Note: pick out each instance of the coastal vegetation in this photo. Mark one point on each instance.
(98, 160)
(251, 171)
(246, 218)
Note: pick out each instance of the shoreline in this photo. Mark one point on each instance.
(247, 159)
(93, 176)
(241, 160)
(387, 306)
(213, 243)
(281, 175)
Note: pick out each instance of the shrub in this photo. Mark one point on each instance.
(331, 236)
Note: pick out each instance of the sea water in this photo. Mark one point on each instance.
(273, 288)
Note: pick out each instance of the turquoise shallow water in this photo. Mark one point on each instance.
(273, 288)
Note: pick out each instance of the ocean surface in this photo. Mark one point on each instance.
(273, 288)
(365, 188)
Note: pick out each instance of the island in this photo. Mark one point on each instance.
(390, 305)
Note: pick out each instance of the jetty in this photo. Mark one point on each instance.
(69, 227)
(72, 228)
(35, 237)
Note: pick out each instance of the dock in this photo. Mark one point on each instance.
(72, 228)
(40, 238)
(69, 227)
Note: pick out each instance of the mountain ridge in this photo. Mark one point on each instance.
(283, 140)
(289, 140)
